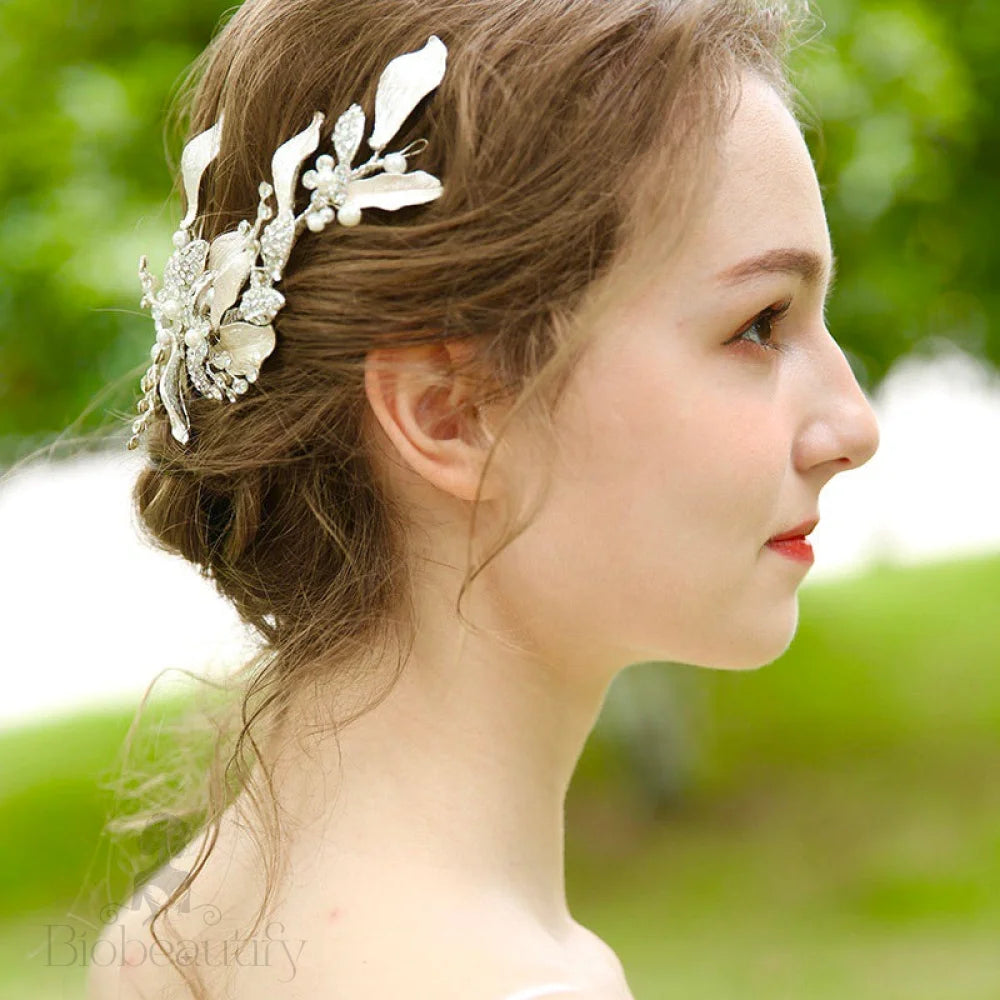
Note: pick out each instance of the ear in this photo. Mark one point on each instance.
(425, 410)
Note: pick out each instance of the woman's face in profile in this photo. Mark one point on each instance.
(687, 444)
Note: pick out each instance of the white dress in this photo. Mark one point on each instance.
(547, 989)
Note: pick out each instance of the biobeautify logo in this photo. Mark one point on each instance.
(67, 946)
(111, 944)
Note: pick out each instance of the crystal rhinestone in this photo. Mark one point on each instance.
(260, 304)
(196, 372)
(347, 133)
(276, 242)
(185, 265)
(239, 385)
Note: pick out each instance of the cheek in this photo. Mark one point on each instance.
(693, 461)
(661, 497)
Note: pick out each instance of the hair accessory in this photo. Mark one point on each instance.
(198, 329)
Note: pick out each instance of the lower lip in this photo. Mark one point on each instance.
(794, 548)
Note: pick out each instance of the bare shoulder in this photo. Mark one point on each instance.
(133, 962)
(600, 963)
(106, 980)
(585, 962)
(487, 960)
(132, 965)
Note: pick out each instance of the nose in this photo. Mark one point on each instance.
(843, 431)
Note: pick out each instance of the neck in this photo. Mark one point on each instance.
(457, 779)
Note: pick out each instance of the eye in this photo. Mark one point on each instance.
(763, 326)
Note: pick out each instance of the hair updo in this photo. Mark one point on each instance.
(566, 134)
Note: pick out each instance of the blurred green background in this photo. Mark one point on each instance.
(826, 827)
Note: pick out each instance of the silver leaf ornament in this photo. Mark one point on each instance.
(170, 391)
(196, 157)
(288, 159)
(392, 191)
(404, 82)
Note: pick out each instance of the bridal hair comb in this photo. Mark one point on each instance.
(199, 331)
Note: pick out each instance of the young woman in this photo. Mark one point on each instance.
(510, 440)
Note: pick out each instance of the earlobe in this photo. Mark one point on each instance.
(425, 412)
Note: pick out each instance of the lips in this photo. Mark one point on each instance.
(799, 531)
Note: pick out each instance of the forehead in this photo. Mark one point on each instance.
(764, 195)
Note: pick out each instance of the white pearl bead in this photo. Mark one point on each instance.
(394, 163)
(193, 338)
(170, 308)
(349, 215)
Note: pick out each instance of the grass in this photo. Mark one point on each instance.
(839, 836)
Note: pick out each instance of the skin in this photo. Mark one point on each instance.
(681, 453)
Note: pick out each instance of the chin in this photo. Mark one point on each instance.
(749, 655)
(737, 665)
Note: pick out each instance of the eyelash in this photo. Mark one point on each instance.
(772, 315)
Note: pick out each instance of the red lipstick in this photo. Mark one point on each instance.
(793, 544)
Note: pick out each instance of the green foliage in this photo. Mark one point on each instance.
(54, 800)
(904, 92)
(82, 171)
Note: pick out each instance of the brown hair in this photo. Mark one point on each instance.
(573, 138)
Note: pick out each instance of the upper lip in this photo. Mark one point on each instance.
(799, 531)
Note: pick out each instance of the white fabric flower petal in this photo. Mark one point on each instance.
(247, 345)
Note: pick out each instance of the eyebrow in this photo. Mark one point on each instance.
(807, 264)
